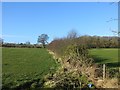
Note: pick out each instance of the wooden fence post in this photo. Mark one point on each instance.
(103, 71)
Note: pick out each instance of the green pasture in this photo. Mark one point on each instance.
(107, 56)
(23, 65)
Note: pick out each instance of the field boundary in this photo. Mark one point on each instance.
(103, 82)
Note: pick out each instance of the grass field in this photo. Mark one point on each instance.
(108, 56)
(25, 65)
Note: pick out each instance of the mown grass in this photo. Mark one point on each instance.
(107, 56)
(22, 65)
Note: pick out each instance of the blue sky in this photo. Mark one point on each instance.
(23, 22)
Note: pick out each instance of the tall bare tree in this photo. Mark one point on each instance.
(72, 34)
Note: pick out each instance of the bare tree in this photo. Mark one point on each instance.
(72, 34)
(116, 32)
(112, 19)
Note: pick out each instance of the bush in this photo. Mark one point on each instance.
(79, 53)
(68, 79)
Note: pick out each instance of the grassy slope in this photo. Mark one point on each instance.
(109, 56)
(25, 64)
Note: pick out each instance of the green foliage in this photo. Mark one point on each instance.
(68, 79)
(23, 66)
(42, 39)
(75, 50)
(21, 45)
(34, 85)
(59, 45)
(78, 53)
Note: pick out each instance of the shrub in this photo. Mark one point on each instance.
(79, 53)
(68, 79)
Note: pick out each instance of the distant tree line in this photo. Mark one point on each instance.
(21, 45)
(41, 42)
(59, 45)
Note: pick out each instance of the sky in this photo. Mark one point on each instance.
(25, 21)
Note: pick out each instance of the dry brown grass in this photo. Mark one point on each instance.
(110, 83)
(107, 83)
